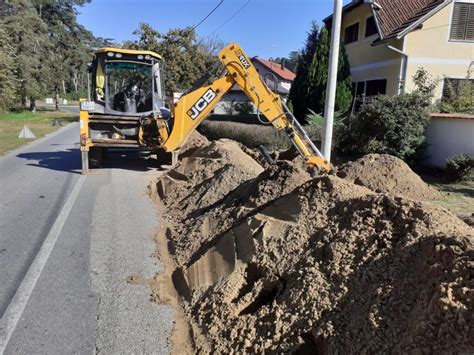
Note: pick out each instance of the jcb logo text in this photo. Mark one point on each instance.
(201, 104)
(243, 60)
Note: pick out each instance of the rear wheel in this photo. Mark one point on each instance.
(95, 157)
(85, 161)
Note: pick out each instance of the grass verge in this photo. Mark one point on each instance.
(457, 197)
(40, 123)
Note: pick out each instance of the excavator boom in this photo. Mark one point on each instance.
(192, 108)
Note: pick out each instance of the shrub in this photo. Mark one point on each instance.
(243, 108)
(459, 168)
(251, 135)
(425, 83)
(317, 120)
(459, 99)
(389, 125)
(314, 119)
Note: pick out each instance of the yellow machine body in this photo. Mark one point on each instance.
(192, 108)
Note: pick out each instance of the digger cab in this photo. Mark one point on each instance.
(126, 88)
(126, 82)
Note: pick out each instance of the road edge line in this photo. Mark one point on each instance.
(22, 295)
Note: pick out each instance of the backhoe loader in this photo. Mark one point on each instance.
(128, 109)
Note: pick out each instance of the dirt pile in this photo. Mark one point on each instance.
(280, 261)
(195, 141)
(205, 176)
(195, 229)
(386, 173)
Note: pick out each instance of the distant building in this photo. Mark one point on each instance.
(387, 41)
(277, 78)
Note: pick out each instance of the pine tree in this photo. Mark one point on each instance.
(308, 91)
(298, 93)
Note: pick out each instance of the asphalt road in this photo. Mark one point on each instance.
(68, 243)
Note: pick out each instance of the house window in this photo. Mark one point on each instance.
(370, 27)
(454, 87)
(462, 24)
(363, 89)
(351, 34)
(376, 87)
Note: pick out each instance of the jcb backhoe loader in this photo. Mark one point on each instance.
(128, 108)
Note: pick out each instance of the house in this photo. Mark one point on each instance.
(277, 77)
(387, 41)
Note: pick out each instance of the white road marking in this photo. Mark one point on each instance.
(20, 299)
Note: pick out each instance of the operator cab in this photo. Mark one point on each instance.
(127, 82)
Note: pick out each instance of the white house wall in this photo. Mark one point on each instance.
(448, 137)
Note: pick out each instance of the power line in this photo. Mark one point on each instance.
(209, 14)
(230, 18)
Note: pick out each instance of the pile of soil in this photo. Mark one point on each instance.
(206, 175)
(279, 261)
(386, 173)
(194, 142)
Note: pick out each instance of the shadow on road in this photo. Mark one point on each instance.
(69, 160)
(63, 160)
(130, 160)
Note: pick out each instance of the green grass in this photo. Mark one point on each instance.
(40, 124)
(457, 197)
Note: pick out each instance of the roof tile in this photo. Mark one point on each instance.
(396, 15)
(285, 73)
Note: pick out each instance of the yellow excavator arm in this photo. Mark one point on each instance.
(191, 109)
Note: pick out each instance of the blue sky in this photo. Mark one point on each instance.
(268, 28)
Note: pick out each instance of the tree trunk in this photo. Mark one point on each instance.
(56, 99)
(32, 104)
(75, 80)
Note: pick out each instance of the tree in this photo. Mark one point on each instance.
(50, 48)
(29, 37)
(460, 96)
(291, 63)
(318, 76)
(186, 58)
(309, 88)
(8, 80)
(66, 66)
(298, 93)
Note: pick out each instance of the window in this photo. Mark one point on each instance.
(370, 27)
(128, 86)
(351, 34)
(376, 87)
(462, 24)
(363, 89)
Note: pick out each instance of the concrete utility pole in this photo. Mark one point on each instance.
(332, 80)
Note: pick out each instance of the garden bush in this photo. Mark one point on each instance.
(389, 125)
(459, 168)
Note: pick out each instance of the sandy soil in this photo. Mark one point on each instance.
(276, 260)
(386, 173)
